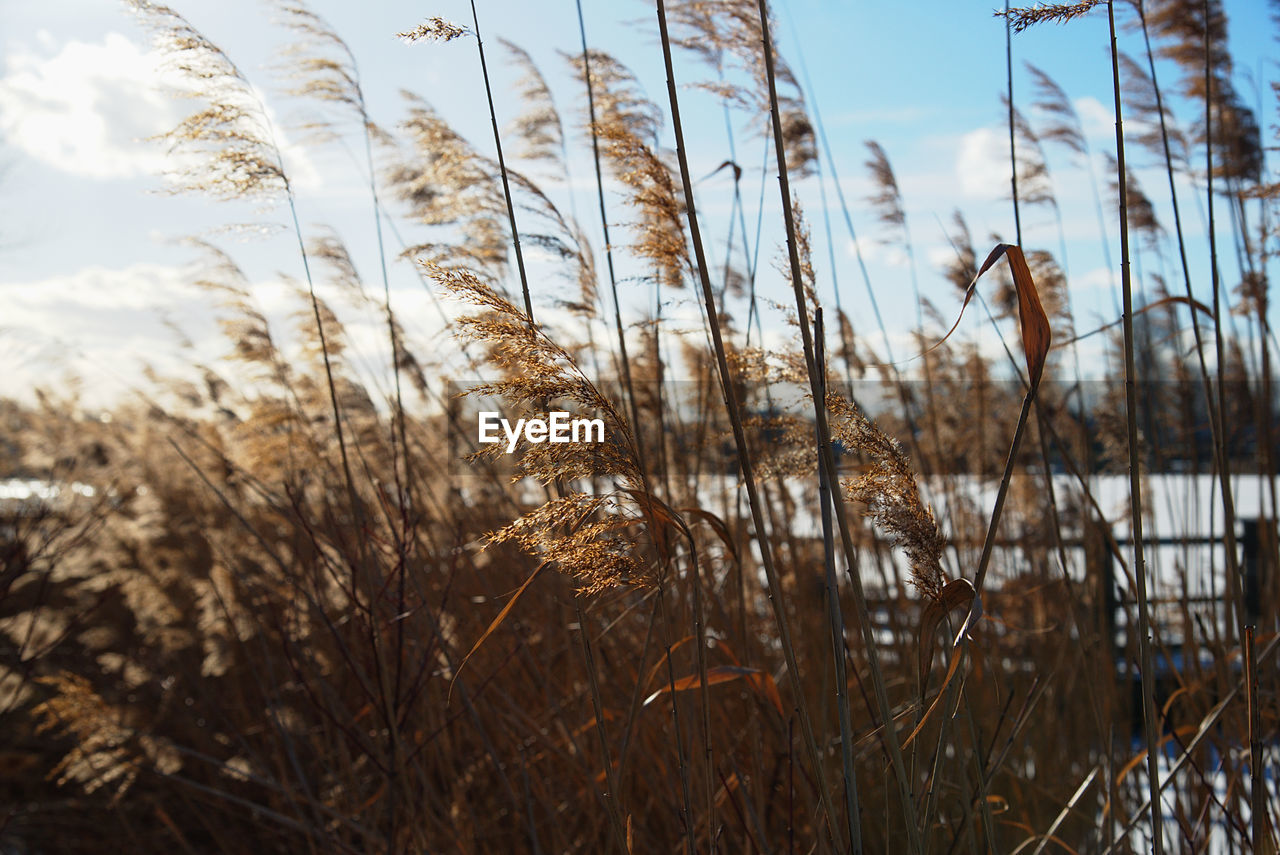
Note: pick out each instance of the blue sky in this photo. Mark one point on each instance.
(93, 283)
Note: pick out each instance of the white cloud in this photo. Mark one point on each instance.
(982, 164)
(1100, 278)
(86, 109)
(1098, 120)
(138, 287)
(99, 324)
(114, 315)
(939, 256)
(875, 251)
(102, 325)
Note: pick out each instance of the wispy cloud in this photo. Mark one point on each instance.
(982, 164)
(85, 109)
(89, 109)
(1098, 278)
(1098, 120)
(874, 251)
(98, 323)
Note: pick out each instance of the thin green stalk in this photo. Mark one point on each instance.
(1211, 405)
(1257, 774)
(597, 705)
(404, 481)
(608, 246)
(1135, 475)
(1224, 457)
(899, 384)
(853, 235)
(1013, 172)
(686, 795)
(836, 620)
(1208, 726)
(739, 433)
(826, 457)
(502, 168)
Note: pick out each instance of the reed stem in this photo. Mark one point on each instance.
(727, 385)
(826, 458)
(1149, 716)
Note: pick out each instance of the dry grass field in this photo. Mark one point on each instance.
(806, 596)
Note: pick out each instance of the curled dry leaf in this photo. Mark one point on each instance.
(957, 592)
(1196, 306)
(763, 683)
(1031, 315)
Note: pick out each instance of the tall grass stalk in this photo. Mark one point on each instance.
(825, 456)
(502, 168)
(846, 344)
(1149, 715)
(1212, 405)
(835, 614)
(1257, 773)
(608, 244)
(404, 475)
(597, 705)
(1234, 580)
(1186, 757)
(1013, 170)
(727, 384)
(1042, 423)
(271, 619)
(900, 384)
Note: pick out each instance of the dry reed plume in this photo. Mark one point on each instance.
(283, 603)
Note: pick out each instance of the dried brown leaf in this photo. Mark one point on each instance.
(1036, 336)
